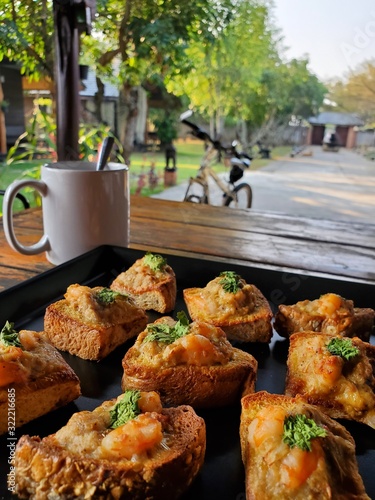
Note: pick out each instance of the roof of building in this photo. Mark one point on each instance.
(335, 118)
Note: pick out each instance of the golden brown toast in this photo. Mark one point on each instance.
(92, 322)
(330, 313)
(34, 379)
(155, 454)
(151, 282)
(343, 387)
(201, 368)
(241, 310)
(291, 449)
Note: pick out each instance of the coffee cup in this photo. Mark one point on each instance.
(82, 207)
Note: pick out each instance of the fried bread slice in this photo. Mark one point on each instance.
(196, 366)
(334, 373)
(92, 322)
(237, 307)
(34, 377)
(129, 448)
(291, 449)
(330, 313)
(151, 282)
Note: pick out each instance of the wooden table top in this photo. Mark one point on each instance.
(311, 246)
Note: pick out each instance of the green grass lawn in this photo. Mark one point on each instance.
(189, 155)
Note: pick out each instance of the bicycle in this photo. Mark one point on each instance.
(198, 190)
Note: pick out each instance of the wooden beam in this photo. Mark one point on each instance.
(66, 80)
(3, 134)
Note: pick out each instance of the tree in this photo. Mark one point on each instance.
(222, 54)
(226, 80)
(292, 90)
(26, 29)
(133, 41)
(143, 40)
(356, 94)
(241, 76)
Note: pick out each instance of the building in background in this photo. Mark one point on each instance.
(344, 125)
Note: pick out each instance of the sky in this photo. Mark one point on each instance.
(336, 34)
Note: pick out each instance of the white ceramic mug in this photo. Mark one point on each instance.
(83, 208)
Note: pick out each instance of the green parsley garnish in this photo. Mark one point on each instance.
(343, 348)
(155, 261)
(300, 430)
(126, 409)
(106, 296)
(231, 281)
(9, 336)
(160, 332)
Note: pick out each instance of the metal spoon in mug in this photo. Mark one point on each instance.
(104, 152)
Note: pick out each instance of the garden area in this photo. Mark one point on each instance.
(146, 172)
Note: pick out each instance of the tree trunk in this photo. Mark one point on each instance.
(98, 99)
(128, 112)
(243, 135)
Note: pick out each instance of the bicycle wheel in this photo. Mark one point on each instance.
(242, 197)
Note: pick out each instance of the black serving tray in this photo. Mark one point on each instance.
(222, 476)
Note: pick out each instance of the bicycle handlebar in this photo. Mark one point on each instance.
(200, 133)
(204, 136)
(197, 131)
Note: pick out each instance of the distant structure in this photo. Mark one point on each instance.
(345, 126)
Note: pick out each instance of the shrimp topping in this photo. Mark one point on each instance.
(83, 302)
(134, 438)
(268, 425)
(194, 349)
(298, 465)
(11, 373)
(11, 370)
(293, 465)
(149, 401)
(29, 339)
(327, 305)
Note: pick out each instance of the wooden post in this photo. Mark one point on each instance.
(66, 80)
(3, 135)
(71, 17)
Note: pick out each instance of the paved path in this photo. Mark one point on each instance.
(329, 185)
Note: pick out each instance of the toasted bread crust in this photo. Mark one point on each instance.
(41, 392)
(252, 325)
(342, 318)
(336, 474)
(258, 330)
(92, 342)
(46, 469)
(200, 368)
(49, 394)
(340, 389)
(95, 337)
(198, 386)
(150, 290)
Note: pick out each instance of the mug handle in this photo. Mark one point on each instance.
(9, 196)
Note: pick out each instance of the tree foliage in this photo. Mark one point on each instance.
(222, 54)
(291, 89)
(26, 35)
(356, 94)
(242, 76)
(227, 73)
(146, 40)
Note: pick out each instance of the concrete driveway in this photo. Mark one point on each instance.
(329, 185)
